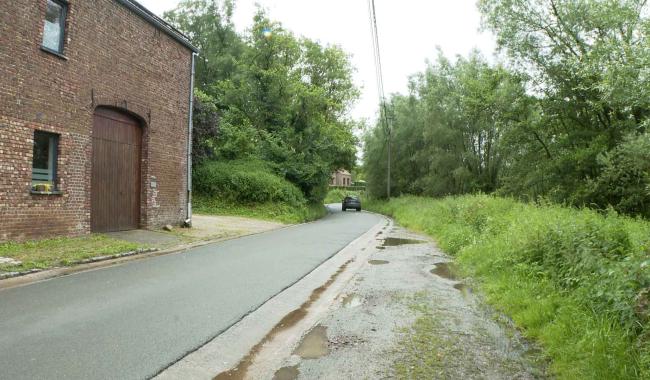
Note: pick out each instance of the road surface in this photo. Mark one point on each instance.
(132, 320)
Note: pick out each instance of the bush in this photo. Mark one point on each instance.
(624, 182)
(244, 181)
(577, 280)
(337, 195)
(276, 211)
(250, 188)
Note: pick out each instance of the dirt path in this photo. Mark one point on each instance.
(403, 315)
(217, 226)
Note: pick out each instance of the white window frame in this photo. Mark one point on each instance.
(64, 15)
(47, 176)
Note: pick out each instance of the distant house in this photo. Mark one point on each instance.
(95, 118)
(341, 177)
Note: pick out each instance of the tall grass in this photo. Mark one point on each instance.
(575, 280)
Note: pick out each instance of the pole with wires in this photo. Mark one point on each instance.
(383, 111)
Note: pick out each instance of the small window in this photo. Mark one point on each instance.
(44, 161)
(54, 30)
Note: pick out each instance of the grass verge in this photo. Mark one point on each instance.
(275, 211)
(43, 254)
(575, 280)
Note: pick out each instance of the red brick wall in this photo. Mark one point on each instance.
(114, 58)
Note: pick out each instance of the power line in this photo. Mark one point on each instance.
(383, 112)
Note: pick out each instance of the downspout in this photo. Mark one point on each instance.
(188, 220)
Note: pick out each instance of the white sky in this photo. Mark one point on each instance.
(409, 31)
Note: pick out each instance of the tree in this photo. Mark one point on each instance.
(447, 133)
(281, 99)
(208, 24)
(205, 121)
(587, 60)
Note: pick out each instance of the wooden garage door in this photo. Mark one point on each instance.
(115, 186)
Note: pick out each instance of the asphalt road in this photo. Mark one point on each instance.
(133, 320)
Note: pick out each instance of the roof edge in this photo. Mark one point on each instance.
(158, 22)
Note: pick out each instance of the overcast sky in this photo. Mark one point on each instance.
(409, 31)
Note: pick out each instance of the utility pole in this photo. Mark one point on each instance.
(383, 111)
(388, 166)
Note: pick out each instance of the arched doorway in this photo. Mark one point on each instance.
(115, 184)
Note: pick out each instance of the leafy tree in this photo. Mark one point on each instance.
(624, 181)
(205, 131)
(588, 65)
(281, 99)
(297, 92)
(567, 121)
(447, 133)
(208, 24)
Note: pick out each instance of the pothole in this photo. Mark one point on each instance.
(287, 373)
(378, 262)
(444, 270)
(314, 344)
(393, 241)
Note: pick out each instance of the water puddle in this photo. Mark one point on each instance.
(392, 241)
(465, 290)
(352, 300)
(378, 262)
(314, 344)
(444, 270)
(287, 373)
(289, 320)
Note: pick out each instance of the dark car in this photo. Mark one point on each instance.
(351, 201)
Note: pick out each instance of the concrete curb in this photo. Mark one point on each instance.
(95, 259)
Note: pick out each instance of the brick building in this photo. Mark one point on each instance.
(341, 177)
(95, 118)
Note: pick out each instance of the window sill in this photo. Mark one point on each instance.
(55, 192)
(50, 51)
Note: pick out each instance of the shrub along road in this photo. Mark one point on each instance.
(132, 320)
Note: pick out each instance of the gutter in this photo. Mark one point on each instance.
(188, 220)
(159, 23)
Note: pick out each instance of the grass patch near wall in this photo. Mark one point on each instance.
(575, 280)
(64, 251)
(250, 188)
